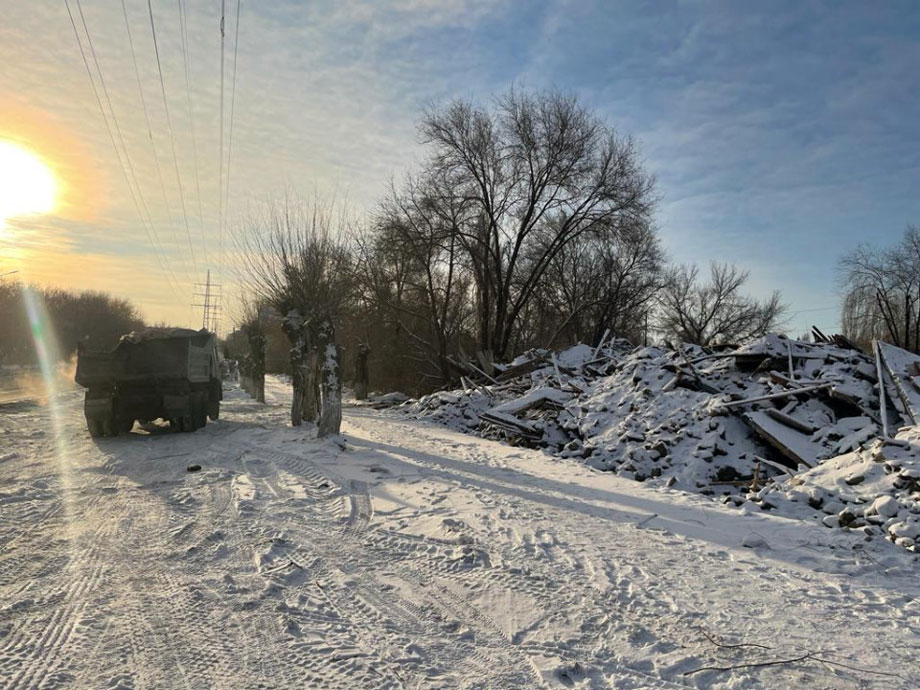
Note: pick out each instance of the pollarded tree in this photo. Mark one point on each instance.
(716, 311)
(293, 257)
(253, 364)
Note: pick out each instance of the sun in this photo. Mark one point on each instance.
(27, 185)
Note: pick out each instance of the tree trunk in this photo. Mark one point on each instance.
(330, 413)
(256, 368)
(361, 373)
(303, 368)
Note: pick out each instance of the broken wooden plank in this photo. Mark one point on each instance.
(700, 383)
(712, 355)
(556, 367)
(850, 395)
(534, 398)
(600, 343)
(898, 362)
(783, 380)
(843, 342)
(791, 421)
(485, 359)
(513, 425)
(776, 396)
(776, 465)
(468, 364)
(754, 483)
(523, 368)
(794, 445)
(866, 370)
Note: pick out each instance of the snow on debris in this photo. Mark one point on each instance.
(904, 369)
(728, 421)
(875, 490)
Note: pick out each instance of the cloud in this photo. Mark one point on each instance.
(777, 132)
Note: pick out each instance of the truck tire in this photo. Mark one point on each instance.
(214, 396)
(125, 426)
(109, 427)
(199, 412)
(94, 426)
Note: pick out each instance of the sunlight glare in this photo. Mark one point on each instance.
(27, 185)
(48, 355)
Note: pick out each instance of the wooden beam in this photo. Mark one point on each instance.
(791, 421)
(773, 437)
(776, 396)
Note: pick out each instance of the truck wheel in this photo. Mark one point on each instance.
(199, 414)
(186, 424)
(214, 410)
(94, 426)
(126, 425)
(109, 428)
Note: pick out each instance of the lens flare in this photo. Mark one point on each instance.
(27, 185)
(48, 355)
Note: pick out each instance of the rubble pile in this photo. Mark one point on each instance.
(775, 420)
(875, 489)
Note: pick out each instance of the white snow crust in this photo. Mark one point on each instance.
(407, 555)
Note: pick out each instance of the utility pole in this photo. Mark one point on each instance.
(210, 307)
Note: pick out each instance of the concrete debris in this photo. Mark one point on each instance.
(694, 418)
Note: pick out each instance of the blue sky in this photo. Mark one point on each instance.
(782, 134)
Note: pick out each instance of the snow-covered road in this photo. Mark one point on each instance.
(410, 556)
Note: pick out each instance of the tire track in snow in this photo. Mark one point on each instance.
(400, 617)
(339, 660)
(660, 605)
(558, 584)
(40, 645)
(43, 645)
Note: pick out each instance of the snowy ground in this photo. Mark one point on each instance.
(411, 557)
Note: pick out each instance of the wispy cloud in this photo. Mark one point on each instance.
(780, 133)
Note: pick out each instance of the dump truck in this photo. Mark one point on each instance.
(155, 373)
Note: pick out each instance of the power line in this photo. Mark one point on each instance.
(807, 311)
(153, 151)
(188, 92)
(188, 232)
(124, 146)
(220, 154)
(121, 163)
(236, 45)
(108, 100)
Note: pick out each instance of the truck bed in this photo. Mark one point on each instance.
(155, 359)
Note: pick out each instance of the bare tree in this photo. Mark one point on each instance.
(715, 311)
(413, 267)
(882, 293)
(96, 319)
(293, 257)
(596, 285)
(362, 375)
(253, 364)
(527, 177)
